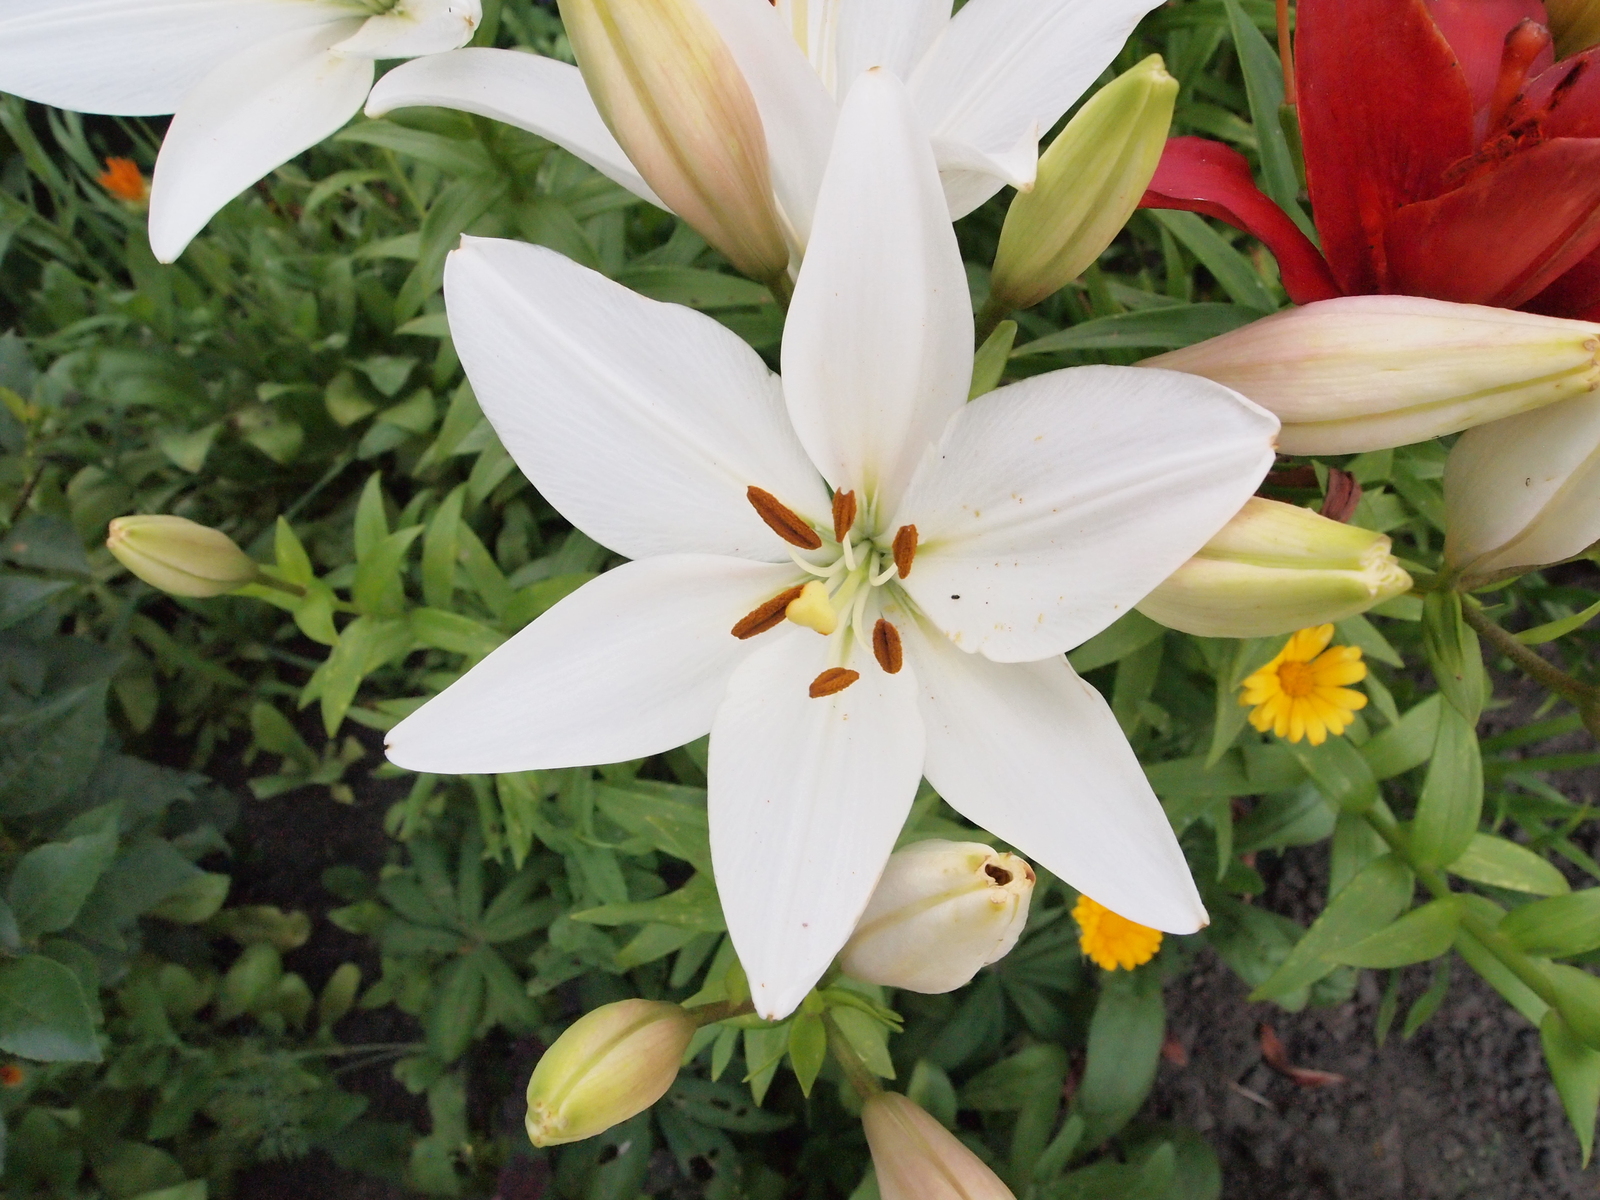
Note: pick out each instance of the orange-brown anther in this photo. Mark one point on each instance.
(886, 647)
(905, 549)
(834, 679)
(766, 616)
(782, 521)
(844, 514)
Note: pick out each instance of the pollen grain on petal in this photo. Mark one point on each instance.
(886, 647)
(834, 679)
(782, 520)
(844, 514)
(905, 549)
(767, 615)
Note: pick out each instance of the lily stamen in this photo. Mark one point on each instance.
(767, 615)
(782, 520)
(844, 514)
(905, 548)
(834, 679)
(886, 647)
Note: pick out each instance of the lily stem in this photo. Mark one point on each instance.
(993, 312)
(1537, 667)
(720, 1010)
(862, 1080)
(782, 289)
(1472, 923)
(279, 585)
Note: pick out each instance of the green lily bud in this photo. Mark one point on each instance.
(941, 911)
(919, 1159)
(677, 103)
(1575, 24)
(1089, 183)
(180, 557)
(611, 1064)
(1369, 372)
(1276, 568)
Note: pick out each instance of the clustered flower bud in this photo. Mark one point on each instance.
(1276, 568)
(919, 1159)
(941, 911)
(612, 1064)
(1089, 183)
(1369, 372)
(180, 557)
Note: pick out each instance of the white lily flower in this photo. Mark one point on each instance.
(250, 83)
(986, 83)
(930, 596)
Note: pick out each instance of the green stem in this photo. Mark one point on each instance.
(782, 289)
(993, 312)
(720, 1010)
(862, 1080)
(1536, 666)
(279, 585)
(1496, 943)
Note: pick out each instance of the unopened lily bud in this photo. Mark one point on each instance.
(179, 556)
(1574, 23)
(1523, 492)
(1276, 568)
(919, 1159)
(1089, 183)
(611, 1064)
(1369, 372)
(942, 910)
(674, 98)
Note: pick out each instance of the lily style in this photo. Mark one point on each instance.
(986, 83)
(1451, 158)
(249, 83)
(850, 576)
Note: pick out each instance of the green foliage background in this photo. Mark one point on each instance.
(291, 380)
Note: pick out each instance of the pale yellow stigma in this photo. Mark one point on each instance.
(812, 608)
(1110, 940)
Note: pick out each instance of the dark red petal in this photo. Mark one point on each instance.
(1476, 31)
(1384, 111)
(1505, 236)
(1576, 294)
(1570, 91)
(1207, 177)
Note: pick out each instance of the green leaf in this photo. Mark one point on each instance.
(294, 564)
(1366, 904)
(1302, 817)
(378, 590)
(195, 1189)
(1541, 634)
(1153, 328)
(1494, 972)
(1125, 1037)
(1578, 997)
(372, 523)
(1422, 934)
(1560, 927)
(1128, 633)
(439, 551)
(1340, 773)
(457, 1005)
(43, 1013)
(931, 1089)
(808, 1048)
(1263, 81)
(1575, 1069)
(1232, 269)
(364, 646)
(1451, 803)
(1453, 653)
(694, 288)
(694, 907)
(1428, 1003)
(671, 817)
(52, 881)
(453, 632)
(1405, 746)
(1503, 864)
(1249, 654)
(989, 364)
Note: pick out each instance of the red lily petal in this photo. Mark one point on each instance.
(1506, 235)
(1207, 177)
(1476, 31)
(1570, 91)
(1576, 294)
(1384, 110)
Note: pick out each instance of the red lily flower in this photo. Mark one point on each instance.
(1447, 155)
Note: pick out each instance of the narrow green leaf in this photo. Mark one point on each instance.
(1541, 634)
(1430, 1001)
(439, 550)
(1340, 772)
(989, 364)
(1451, 803)
(457, 1006)
(1169, 328)
(1125, 1037)
(1422, 934)
(1560, 927)
(1232, 269)
(1494, 972)
(1577, 995)
(1263, 81)
(294, 564)
(378, 590)
(1504, 864)
(808, 1048)
(1453, 653)
(453, 632)
(1128, 633)
(1407, 745)
(372, 522)
(1575, 1068)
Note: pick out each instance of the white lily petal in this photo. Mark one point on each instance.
(806, 799)
(1002, 67)
(1052, 506)
(643, 423)
(1032, 754)
(632, 663)
(1525, 491)
(893, 34)
(252, 114)
(134, 57)
(542, 95)
(415, 27)
(877, 352)
(797, 112)
(970, 176)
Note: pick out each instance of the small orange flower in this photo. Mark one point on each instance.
(124, 180)
(12, 1075)
(1301, 693)
(1110, 940)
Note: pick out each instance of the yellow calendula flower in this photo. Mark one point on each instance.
(1110, 940)
(1301, 693)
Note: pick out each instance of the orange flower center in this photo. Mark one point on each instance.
(1297, 679)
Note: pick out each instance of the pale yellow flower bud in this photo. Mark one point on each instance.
(1368, 372)
(1090, 181)
(919, 1159)
(611, 1064)
(180, 557)
(1276, 568)
(1575, 24)
(674, 98)
(941, 910)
